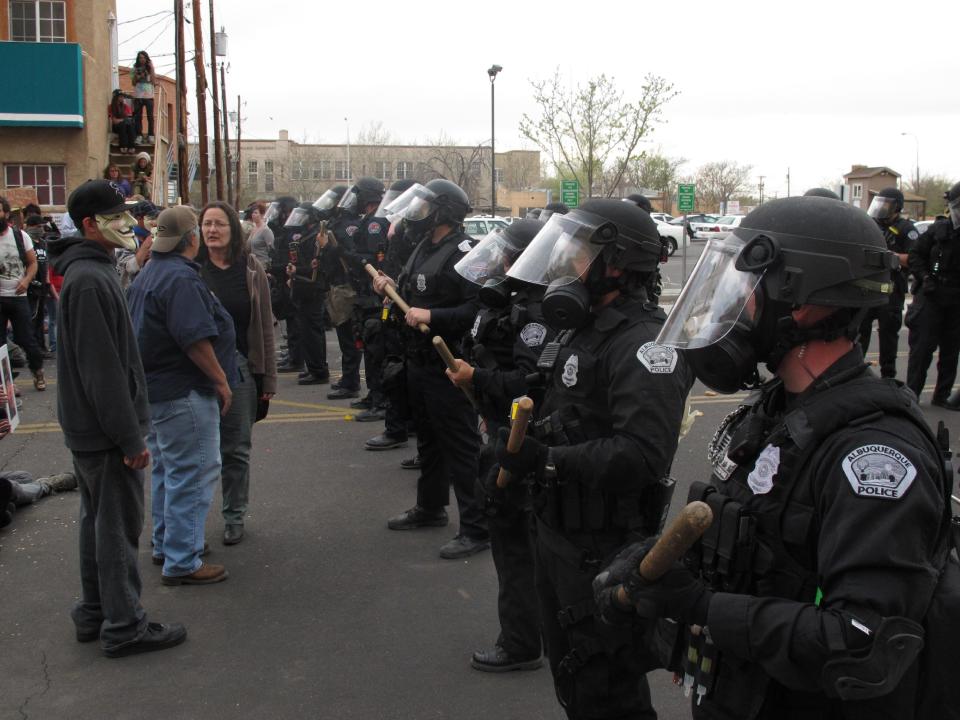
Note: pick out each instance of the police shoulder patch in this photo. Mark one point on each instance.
(533, 334)
(913, 235)
(879, 471)
(351, 229)
(658, 359)
(465, 246)
(374, 228)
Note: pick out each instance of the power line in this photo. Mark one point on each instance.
(141, 32)
(144, 17)
(165, 28)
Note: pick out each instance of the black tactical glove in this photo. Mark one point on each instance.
(677, 594)
(622, 571)
(531, 458)
(929, 285)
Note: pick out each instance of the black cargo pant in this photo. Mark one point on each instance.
(512, 550)
(889, 320)
(934, 324)
(313, 334)
(598, 669)
(111, 519)
(349, 355)
(447, 442)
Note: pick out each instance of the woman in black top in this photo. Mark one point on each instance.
(240, 283)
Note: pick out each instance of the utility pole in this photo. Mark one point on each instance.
(239, 182)
(217, 149)
(201, 103)
(788, 182)
(228, 169)
(761, 188)
(183, 182)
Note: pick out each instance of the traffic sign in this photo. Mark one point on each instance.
(570, 193)
(685, 197)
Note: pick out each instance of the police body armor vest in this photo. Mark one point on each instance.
(898, 235)
(765, 544)
(576, 411)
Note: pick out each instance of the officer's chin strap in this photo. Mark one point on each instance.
(843, 323)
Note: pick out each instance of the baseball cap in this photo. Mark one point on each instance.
(172, 224)
(95, 197)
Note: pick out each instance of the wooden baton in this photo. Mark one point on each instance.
(451, 363)
(518, 431)
(394, 295)
(682, 533)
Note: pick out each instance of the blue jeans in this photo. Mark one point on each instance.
(51, 324)
(184, 440)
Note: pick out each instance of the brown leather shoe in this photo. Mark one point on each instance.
(206, 574)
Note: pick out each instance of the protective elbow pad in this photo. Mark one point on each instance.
(896, 644)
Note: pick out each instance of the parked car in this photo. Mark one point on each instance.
(720, 229)
(661, 217)
(923, 225)
(477, 227)
(694, 218)
(672, 235)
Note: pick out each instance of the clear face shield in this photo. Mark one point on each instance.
(882, 208)
(298, 218)
(560, 253)
(954, 208)
(350, 200)
(489, 259)
(415, 203)
(388, 197)
(327, 201)
(273, 213)
(715, 297)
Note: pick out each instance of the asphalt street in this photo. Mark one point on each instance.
(326, 613)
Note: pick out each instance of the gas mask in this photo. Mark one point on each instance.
(117, 229)
(495, 293)
(566, 305)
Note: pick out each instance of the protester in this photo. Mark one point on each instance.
(142, 77)
(143, 176)
(261, 236)
(239, 281)
(188, 344)
(121, 118)
(102, 408)
(18, 267)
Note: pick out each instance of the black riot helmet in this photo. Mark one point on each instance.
(557, 208)
(952, 196)
(305, 215)
(641, 201)
(364, 191)
(886, 205)
(279, 210)
(395, 191)
(424, 207)
(327, 203)
(452, 201)
(736, 309)
(572, 253)
(821, 192)
(489, 260)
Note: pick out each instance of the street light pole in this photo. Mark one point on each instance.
(492, 72)
(916, 140)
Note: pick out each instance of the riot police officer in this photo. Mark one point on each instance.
(447, 439)
(276, 217)
(367, 244)
(933, 314)
(503, 347)
(602, 442)
(900, 235)
(308, 289)
(554, 208)
(829, 494)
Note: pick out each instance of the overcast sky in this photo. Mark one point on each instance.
(772, 84)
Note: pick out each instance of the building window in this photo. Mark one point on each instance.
(341, 169)
(50, 181)
(384, 170)
(475, 167)
(498, 175)
(252, 174)
(38, 20)
(321, 170)
(857, 192)
(298, 171)
(404, 170)
(268, 175)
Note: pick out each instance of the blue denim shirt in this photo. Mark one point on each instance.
(171, 309)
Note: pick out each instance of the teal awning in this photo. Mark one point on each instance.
(41, 84)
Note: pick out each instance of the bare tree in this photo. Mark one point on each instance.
(654, 171)
(718, 182)
(592, 129)
(462, 164)
(932, 188)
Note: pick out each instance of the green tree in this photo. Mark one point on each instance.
(590, 133)
(718, 182)
(931, 187)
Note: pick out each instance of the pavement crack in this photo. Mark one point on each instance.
(43, 691)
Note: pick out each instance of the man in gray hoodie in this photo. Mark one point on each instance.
(102, 408)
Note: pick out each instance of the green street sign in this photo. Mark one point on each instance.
(685, 197)
(570, 193)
